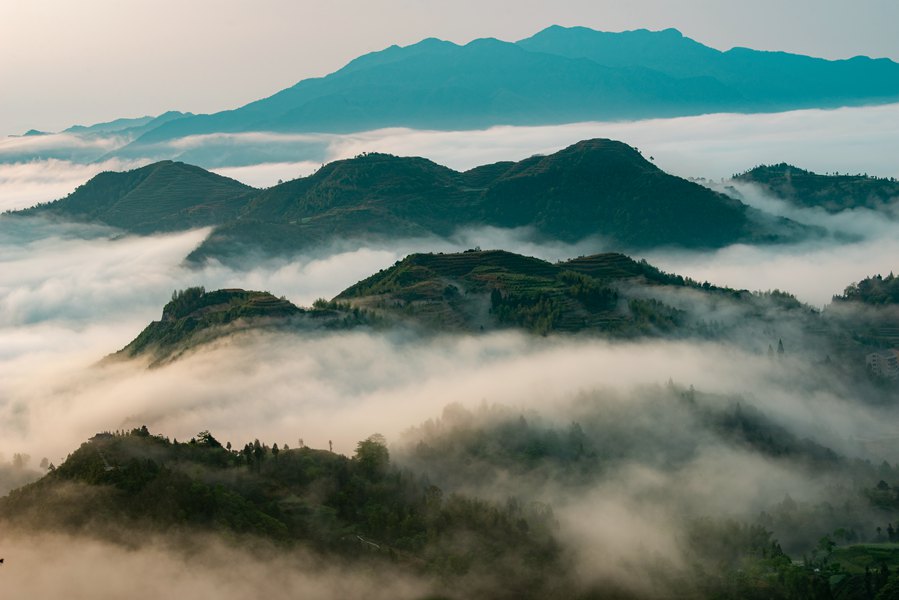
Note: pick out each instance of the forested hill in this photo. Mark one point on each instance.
(833, 192)
(476, 291)
(194, 317)
(875, 291)
(164, 196)
(596, 187)
(358, 509)
(606, 294)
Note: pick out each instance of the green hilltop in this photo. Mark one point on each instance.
(833, 192)
(592, 188)
(194, 317)
(609, 295)
(599, 187)
(164, 196)
(361, 508)
(369, 510)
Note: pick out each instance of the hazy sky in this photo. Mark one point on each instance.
(64, 62)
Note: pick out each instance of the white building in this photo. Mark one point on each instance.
(884, 363)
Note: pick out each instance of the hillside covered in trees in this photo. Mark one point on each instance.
(832, 192)
(595, 188)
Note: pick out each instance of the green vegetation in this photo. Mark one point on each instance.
(164, 196)
(478, 290)
(832, 192)
(876, 290)
(124, 485)
(593, 188)
(195, 316)
(604, 293)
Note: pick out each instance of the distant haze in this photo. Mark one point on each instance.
(79, 63)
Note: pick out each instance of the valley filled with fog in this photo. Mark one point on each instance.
(670, 432)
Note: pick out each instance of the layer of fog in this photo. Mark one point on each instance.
(284, 388)
(69, 295)
(858, 243)
(25, 184)
(861, 139)
(41, 565)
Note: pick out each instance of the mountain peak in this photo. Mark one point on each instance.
(162, 196)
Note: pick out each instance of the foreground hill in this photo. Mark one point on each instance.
(133, 488)
(593, 188)
(362, 509)
(833, 193)
(165, 196)
(559, 75)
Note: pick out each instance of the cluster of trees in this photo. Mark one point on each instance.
(588, 291)
(876, 290)
(539, 312)
(351, 506)
(183, 302)
(653, 314)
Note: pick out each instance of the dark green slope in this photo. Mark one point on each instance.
(597, 187)
(194, 317)
(362, 509)
(412, 189)
(484, 290)
(607, 188)
(833, 193)
(164, 196)
(593, 188)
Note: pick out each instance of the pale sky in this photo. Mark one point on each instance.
(64, 63)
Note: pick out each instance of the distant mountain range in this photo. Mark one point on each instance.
(598, 188)
(560, 75)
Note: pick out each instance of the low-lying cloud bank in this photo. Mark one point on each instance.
(859, 243)
(71, 294)
(859, 139)
(60, 566)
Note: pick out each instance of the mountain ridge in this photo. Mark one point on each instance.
(595, 188)
(593, 75)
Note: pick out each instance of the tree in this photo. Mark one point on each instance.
(372, 456)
